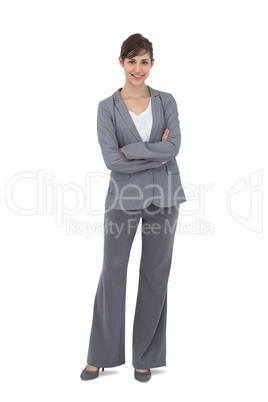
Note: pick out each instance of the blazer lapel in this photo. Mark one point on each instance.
(156, 109)
(123, 110)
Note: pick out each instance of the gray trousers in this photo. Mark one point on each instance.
(107, 337)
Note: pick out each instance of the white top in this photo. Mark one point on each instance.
(143, 122)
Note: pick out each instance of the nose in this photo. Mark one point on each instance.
(137, 70)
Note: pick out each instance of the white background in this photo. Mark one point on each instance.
(58, 60)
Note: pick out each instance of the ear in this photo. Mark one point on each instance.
(152, 63)
(121, 61)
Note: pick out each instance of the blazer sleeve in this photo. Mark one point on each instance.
(163, 150)
(113, 158)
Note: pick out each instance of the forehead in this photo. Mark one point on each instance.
(141, 56)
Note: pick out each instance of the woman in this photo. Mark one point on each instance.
(139, 135)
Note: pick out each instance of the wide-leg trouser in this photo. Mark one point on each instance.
(107, 337)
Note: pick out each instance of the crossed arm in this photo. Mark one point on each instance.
(138, 156)
(164, 137)
(162, 150)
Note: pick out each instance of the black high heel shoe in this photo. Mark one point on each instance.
(90, 375)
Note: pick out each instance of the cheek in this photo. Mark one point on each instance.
(147, 68)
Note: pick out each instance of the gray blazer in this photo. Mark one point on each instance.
(138, 177)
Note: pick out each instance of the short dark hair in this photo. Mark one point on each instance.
(134, 45)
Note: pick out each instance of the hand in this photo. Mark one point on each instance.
(165, 135)
(164, 162)
(121, 149)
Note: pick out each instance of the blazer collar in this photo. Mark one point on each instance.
(156, 108)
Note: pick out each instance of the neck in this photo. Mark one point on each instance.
(133, 91)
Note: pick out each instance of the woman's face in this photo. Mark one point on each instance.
(137, 69)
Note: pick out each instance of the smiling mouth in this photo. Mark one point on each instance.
(137, 76)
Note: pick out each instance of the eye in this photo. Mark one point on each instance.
(145, 62)
(131, 61)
